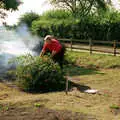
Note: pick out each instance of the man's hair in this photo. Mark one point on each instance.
(48, 37)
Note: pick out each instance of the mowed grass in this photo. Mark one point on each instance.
(94, 60)
(92, 71)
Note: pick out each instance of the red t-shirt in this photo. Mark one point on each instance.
(53, 46)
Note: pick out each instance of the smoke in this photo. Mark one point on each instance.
(16, 43)
(33, 43)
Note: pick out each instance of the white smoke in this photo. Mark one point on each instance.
(33, 43)
(16, 43)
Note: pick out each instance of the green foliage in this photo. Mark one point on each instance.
(9, 4)
(28, 18)
(37, 105)
(98, 26)
(35, 74)
(4, 107)
(60, 28)
(80, 7)
(41, 28)
(114, 106)
(56, 14)
(54, 22)
(102, 26)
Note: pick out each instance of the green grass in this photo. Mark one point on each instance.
(114, 107)
(37, 105)
(90, 72)
(93, 61)
(74, 70)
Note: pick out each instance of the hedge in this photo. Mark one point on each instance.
(60, 23)
(77, 30)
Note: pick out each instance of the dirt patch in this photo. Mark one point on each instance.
(115, 111)
(42, 114)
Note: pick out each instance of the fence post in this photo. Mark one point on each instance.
(114, 47)
(71, 44)
(90, 45)
(66, 91)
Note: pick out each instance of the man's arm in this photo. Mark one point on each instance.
(42, 53)
(43, 50)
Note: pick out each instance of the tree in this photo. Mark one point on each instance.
(81, 7)
(8, 5)
(28, 18)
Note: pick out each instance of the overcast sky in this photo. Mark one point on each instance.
(38, 6)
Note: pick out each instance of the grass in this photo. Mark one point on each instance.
(114, 107)
(74, 70)
(94, 60)
(93, 71)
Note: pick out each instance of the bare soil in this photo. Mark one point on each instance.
(42, 114)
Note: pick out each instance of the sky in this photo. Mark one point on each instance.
(38, 6)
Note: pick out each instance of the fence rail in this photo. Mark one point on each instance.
(91, 46)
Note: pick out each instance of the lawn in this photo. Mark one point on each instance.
(97, 71)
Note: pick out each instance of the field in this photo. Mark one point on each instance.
(97, 71)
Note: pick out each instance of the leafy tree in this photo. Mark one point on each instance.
(56, 14)
(51, 22)
(102, 25)
(28, 18)
(80, 7)
(8, 5)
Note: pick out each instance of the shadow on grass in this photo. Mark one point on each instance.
(74, 70)
(71, 86)
(79, 87)
(69, 70)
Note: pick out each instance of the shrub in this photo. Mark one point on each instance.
(28, 18)
(41, 27)
(61, 23)
(104, 26)
(61, 28)
(35, 74)
(56, 14)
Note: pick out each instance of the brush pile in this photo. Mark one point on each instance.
(35, 74)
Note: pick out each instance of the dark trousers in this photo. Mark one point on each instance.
(59, 57)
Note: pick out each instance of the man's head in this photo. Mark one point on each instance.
(48, 38)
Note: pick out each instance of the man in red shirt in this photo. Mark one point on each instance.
(56, 49)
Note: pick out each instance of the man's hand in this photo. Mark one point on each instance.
(42, 53)
(53, 53)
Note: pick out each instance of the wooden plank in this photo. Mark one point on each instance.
(87, 41)
(94, 50)
(71, 42)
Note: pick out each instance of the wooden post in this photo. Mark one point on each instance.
(67, 80)
(90, 45)
(114, 47)
(71, 44)
(66, 86)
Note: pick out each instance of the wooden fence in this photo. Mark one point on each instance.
(93, 45)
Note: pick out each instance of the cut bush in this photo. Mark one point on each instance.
(35, 74)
